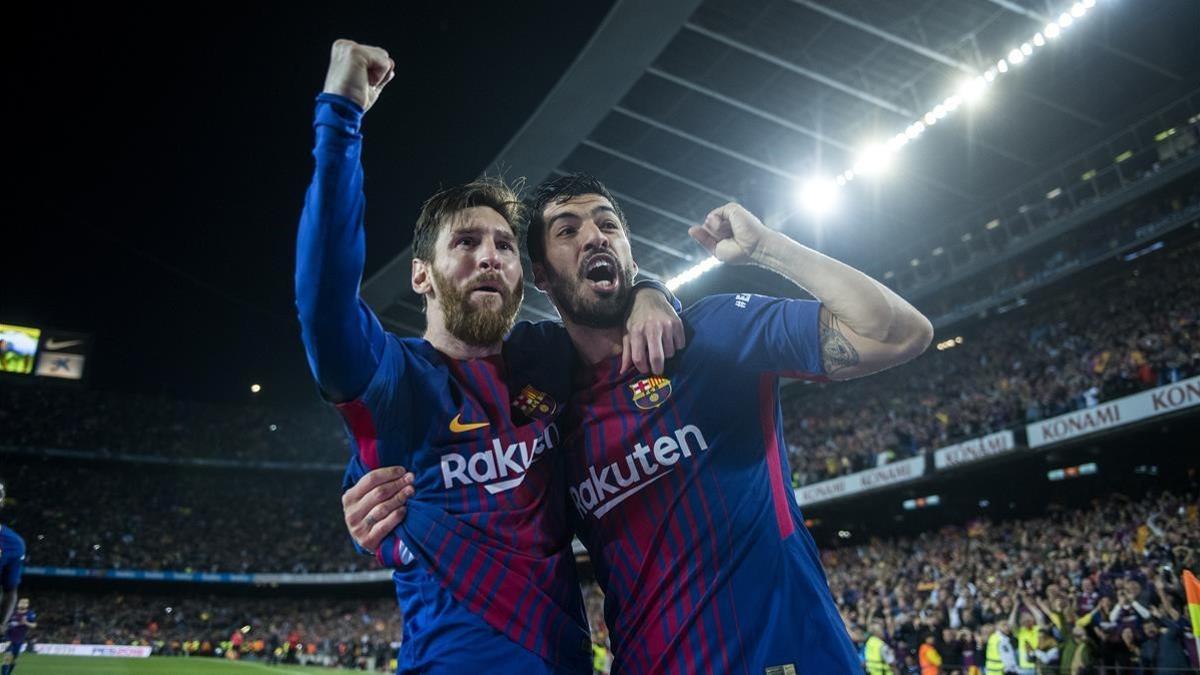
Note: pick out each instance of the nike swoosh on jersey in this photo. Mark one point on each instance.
(458, 427)
(51, 344)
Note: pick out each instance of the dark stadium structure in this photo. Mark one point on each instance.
(1051, 233)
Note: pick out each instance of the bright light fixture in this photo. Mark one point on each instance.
(818, 195)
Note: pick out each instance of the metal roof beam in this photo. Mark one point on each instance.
(658, 170)
(732, 154)
(1042, 18)
(800, 70)
(747, 108)
(889, 37)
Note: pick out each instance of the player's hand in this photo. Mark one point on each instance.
(653, 333)
(376, 504)
(358, 72)
(731, 234)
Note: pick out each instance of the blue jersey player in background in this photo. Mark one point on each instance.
(19, 624)
(677, 482)
(484, 574)
(12, 563)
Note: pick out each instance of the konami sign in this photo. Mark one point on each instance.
(871, 479)
(1166, 399)
(121, 651)
(974, 450)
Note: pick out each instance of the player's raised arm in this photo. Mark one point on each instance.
(864, 326)
(342, 337)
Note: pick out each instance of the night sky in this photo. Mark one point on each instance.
(159, 156)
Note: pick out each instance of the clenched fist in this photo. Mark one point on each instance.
(732, 234)
(358, 72)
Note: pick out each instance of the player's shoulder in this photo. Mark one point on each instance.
(11, 542)
(723, 305)
(415, 349)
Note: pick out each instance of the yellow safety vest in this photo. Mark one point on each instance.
(599, 658)
(875, 663)
(1026, 637)
(994, 665)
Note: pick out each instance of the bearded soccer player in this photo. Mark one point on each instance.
(678, 483)
(484, 574)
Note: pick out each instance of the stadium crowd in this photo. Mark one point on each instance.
(350, 633)
(1082, 591)
(1093, 590)
(121, 423)
(1107, 340)
(124, 515)
(1130, 332)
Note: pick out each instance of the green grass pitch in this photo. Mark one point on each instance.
(36, 664)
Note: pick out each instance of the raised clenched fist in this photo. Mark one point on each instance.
(358, 72)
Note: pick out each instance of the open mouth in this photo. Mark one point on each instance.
(601, 273)
(487, 289)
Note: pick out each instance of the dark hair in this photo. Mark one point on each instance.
(559, 190)
(444, 204)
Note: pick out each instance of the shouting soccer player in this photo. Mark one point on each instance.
(471, 413)
(677, 482)
(12, 563)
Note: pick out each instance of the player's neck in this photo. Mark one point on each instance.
(438, 335)
(594, 344)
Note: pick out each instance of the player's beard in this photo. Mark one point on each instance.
(477, 326)
(579, 304)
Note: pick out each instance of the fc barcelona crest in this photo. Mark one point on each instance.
(534, 403)
(650, 392)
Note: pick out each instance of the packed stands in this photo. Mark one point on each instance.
(1102, 582)
(163, 427)
(127, 515)
(1131, 331)
(353, 633)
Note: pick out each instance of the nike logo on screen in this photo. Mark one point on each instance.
(458, 427)
(52, 344)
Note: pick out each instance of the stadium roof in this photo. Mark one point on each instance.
(682, 105)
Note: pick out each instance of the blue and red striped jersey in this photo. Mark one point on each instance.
(18, 625)
(489, 518)
(680, 492)
(12, 558)
(485, 574)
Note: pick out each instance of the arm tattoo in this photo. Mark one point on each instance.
(836, 351)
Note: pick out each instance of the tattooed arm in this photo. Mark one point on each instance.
(865, 327)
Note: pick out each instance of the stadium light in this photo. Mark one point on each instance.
(255, 388)
(693, 273)
(973, 88)
(818, 195)
(875, 158)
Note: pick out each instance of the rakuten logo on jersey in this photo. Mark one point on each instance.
(498, 462)
(603, 489)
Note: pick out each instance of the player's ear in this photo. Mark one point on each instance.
(539, 276)
(422, 278)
